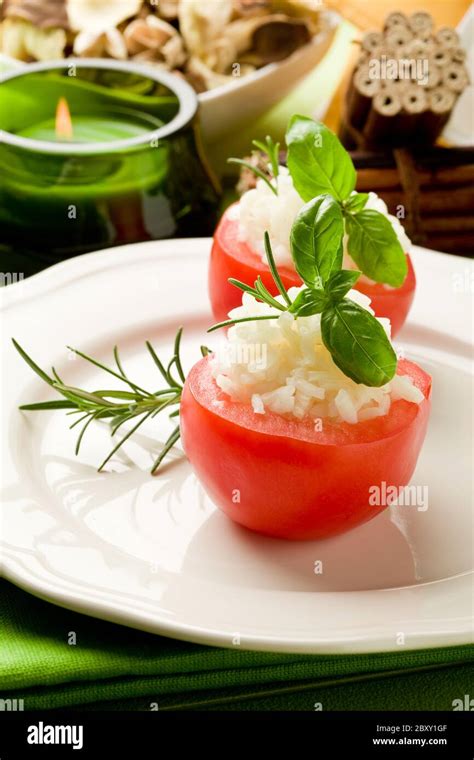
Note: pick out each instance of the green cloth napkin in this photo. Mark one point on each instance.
(113, 667)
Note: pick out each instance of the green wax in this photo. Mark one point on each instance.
(104, 175)
(91, 128)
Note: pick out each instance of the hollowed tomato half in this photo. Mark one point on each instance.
(284, 478)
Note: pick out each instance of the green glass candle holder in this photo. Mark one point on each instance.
(132, 170)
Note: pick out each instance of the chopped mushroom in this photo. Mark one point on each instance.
(211, 42)
(202, 76)
(247, 8)
(100, 15)
(265, 39)
(154, 39)
(96, 44)
(168, 9)
(173, 52)
(202, 24)
(23, 41)
(150, 32)
(43, 14)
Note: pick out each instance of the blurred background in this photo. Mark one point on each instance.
(254, 63)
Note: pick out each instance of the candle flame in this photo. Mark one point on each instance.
(63, 120)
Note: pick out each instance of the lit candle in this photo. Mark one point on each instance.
(105, 157)
(91, 128)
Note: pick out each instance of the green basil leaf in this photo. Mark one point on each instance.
(317, 161)
(358, 344)
(356, 202)
(340, 283)
(316, 240)
(374, 246)
(309, 302)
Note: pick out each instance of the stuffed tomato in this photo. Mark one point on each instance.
(233, 257)
(283, 478)
(282, 433)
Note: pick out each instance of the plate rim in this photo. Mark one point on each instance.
(65, 271)
(364, 642)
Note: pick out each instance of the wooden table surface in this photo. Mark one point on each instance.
(369, 15)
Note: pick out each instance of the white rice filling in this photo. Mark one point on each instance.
(282, 365)
(261, 210)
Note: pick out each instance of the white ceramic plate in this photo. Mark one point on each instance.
(154, 553)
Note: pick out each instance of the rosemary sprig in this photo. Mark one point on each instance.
(272, 150)
(274, 270)
(259, 292)
(255, 170)
(115, 405)
(230, 322)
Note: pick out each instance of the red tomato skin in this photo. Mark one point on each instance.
(303, 485)
(394, 303)
(230, 257)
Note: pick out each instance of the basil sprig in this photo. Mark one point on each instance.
(358, 343)
(316, 240)
(340, 283)
(319, 166)
(355, 202)
(373, 245)
(324, 176)
(317, 161)
(310, 301)
(355, 339)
